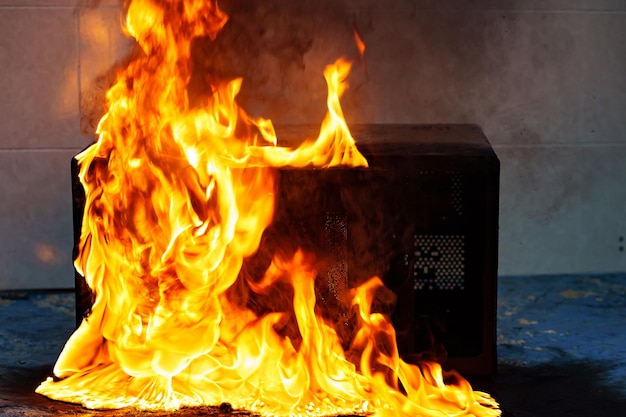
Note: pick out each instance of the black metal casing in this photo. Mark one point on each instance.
(423, 217)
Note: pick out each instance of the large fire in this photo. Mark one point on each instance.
(177, 197)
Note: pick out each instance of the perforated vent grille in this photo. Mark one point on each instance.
(438, 262)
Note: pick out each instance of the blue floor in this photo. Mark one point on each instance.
(553, 319)
(561, 346)
(34, 327)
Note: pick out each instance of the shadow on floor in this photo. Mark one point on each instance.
(571, 388)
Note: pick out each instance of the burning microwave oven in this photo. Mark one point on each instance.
(423, 217)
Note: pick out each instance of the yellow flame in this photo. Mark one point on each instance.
(176, 198)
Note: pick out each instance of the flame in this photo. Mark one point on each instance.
(176, 198)
(360, 45)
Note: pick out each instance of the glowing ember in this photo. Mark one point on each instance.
(176, 198)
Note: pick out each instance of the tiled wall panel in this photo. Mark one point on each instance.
(35, 220)
(510, 72)
(545, 79)
(602, 230)
(603, 83)
(559, 209)
(39, 78)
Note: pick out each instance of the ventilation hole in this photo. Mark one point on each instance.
(439, 262)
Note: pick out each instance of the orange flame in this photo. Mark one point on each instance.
(176, 198)
(360, 45)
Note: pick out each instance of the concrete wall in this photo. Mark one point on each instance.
(545, 79)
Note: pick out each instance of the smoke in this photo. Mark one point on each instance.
(278, 47)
